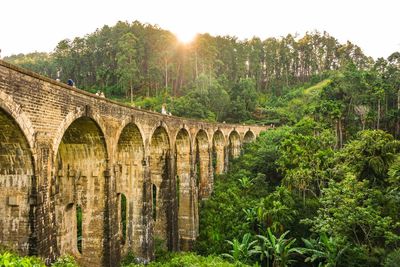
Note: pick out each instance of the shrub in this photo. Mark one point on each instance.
(65, 261)
(393, 259)
(8, 259)
(189, 260)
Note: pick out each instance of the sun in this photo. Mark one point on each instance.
(185, 36)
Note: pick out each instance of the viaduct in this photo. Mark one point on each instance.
(90, 177)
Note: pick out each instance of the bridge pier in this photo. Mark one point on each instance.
(44, 217)
(219, 152)
(147, 246)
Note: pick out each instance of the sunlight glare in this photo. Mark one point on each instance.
(185, 36)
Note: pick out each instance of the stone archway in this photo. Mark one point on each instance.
(162, 193)
(129, 188)
(249, 137)
(234, 145)
(218, 152)
(202, 166)
(186, 191)
(78, 191)
(17, 181)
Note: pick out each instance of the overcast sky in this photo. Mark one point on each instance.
(38, 25)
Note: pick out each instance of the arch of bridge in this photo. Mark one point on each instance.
(19, 116)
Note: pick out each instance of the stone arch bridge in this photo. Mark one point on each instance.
(84, 175)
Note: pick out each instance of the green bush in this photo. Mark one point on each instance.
(128, 259)
(189, 260)
(393, 259)
(65, 261)
(8, 259)
(160, 248)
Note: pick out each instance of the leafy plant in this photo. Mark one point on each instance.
(241, 250)
(278, 250)
(325, 250)
(393, 259)
(65, 261)
(189, 260)
(350, 210)
(8, 259)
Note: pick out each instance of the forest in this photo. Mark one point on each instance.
(217, 78)
(322, 188)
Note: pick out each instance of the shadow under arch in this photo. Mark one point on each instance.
(162, 187)
(202, 164)
(249, 137)
(79, 181)
(186, 191)
(15, 112)
(126, 122)
(234, 144)
(17, 185)
(80, 112)
(218, 153)
(130, 188)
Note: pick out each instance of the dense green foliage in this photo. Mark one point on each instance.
(148, 59)
(327, 189)
(8, 259)
(292, 184)
(219, 77)
(188, 260)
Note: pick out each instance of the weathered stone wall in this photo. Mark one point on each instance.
(79, 182)
(186, 190)
(63, 150)
(129, 182)
(203, 153)
(16, 174)
(218, 151)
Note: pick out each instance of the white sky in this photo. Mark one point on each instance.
(38, 25)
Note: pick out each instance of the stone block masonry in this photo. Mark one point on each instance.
(90, 177)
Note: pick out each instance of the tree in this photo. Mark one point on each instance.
(127, 67)
(352, 211)
(306, 156)
(393, 78)
(191, 107)
(219, 100)
(275, 211)
(362, 111)
(243, 100)
(369, 156)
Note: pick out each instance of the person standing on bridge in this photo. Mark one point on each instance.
(164, 109)
(70, 82)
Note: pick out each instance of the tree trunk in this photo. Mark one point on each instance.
(398, 110)
(337, 135)
(209, 74)
(131, 85)
(166, 73)
(197, 70)
(378, 115)
(340, 133)
(177, 81)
